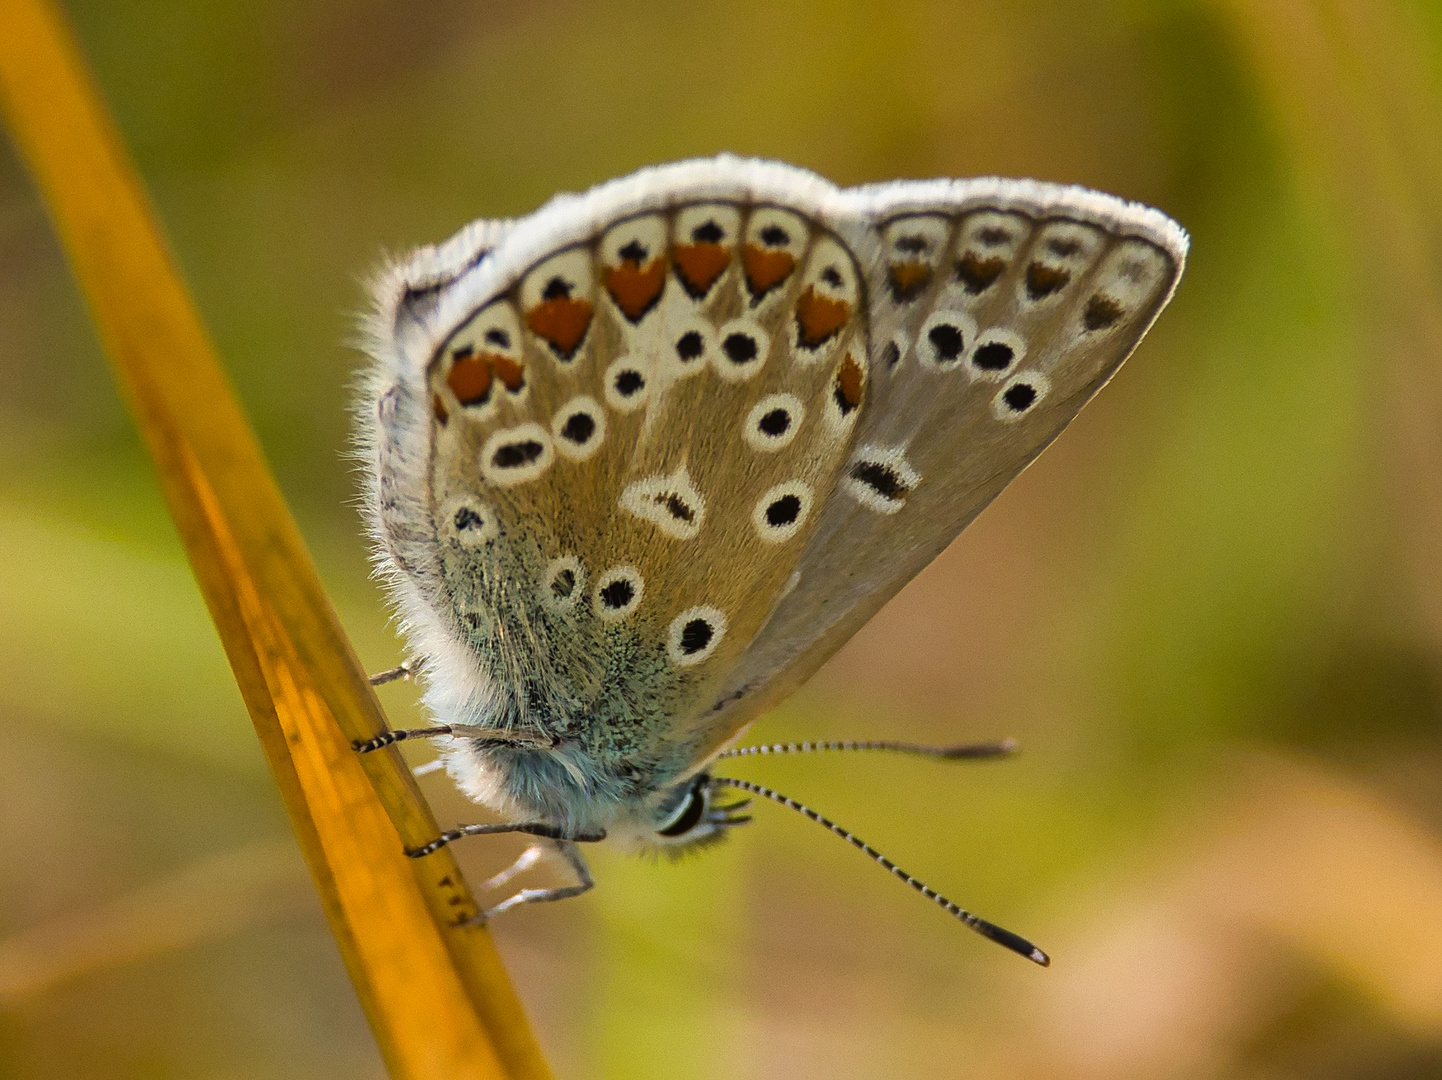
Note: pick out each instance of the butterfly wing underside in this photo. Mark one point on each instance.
(998, 309)
(647, 458)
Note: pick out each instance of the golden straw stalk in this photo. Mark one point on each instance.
(436, 994)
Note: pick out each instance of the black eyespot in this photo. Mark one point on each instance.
(946, 340)
(991, 236)
(696, 635)
(690, 816)
(740, 348)
(579, 427)
(690, 345)
(912, 245)
(1019, 398)
(775, 236)
(993, 356)
(556, 289)
(466, 351)
(775, 423)
(513, 455)
(629, 382)
(891, 354)
(617, 594)
(564, 583)
(783, 511)
(466, 518)
(499, 338)
(880, 478)
(1063, 248)
(832, 277)
(633, 252)
(709, 233)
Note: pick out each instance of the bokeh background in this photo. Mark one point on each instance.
(1212, 612)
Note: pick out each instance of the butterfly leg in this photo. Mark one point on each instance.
(521, 739)
(405, 670)
(534, 828)
(572, 854)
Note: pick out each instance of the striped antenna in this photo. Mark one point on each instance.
(966, 751)
(1015, 942)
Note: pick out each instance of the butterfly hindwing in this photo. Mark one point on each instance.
(630, 446)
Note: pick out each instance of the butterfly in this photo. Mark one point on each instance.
(636, 465)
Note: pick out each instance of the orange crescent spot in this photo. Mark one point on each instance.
(635, 290)
(439, 408)
(766, 269)
(470, 380)
(699, 265)
(507, 370)
(909, 278)
(819, 317)
(560, 321)
(848, 385)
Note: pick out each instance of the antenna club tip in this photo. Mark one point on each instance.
(1008, 746)
(1036, 956)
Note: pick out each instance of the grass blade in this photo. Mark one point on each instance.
(436, 994)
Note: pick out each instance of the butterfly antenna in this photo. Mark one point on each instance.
(1015, 942)
(966, 751)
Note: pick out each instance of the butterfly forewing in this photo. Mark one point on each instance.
(992, 328)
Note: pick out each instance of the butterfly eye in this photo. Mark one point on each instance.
(690, 813)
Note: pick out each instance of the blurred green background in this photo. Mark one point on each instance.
(1212, 612)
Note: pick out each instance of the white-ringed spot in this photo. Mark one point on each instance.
(618, 593)
(564, 583)
(694, 635)
(743, 349)
(627, 383)
(773, 422)
(1020, 395)
(782, 511)
(996, 353)
(517, 455)
(579, 428)
(692, 346)
(944, 339)
(471, 522)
